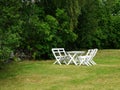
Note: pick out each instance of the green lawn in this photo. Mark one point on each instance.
(44, 75)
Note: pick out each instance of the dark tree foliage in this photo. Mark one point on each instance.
(30, 28)
(43, 29)
(9, 27)
(96, 28)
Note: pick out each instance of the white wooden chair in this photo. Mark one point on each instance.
(88, 58)
(60, 55)
(93, 55)
(83, 60)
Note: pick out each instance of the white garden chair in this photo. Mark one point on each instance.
(88, 58)
(84, 60)
(60, 55)
(93, 55)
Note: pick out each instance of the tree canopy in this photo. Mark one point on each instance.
(33, 27)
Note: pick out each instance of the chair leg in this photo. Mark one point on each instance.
(93, 62)
(57, 62)
(81, 61)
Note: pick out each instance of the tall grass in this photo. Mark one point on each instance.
(44, 75)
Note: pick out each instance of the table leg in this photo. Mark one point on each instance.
(72, 59)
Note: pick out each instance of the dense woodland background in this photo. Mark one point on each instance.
(30, 28)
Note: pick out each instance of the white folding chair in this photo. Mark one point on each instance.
(84, 60)
(60, 55)
(93, 55)
(88, 58)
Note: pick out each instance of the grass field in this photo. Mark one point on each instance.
(44, 75)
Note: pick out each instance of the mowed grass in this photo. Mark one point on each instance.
(44, 75)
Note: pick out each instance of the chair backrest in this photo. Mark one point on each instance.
(92, 53)
(58, 52)
(89, 52)
(95, 52)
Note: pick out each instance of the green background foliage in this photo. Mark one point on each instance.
(33, 29)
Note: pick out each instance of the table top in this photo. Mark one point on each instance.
(72, 52)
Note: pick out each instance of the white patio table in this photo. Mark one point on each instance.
(73, 55)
